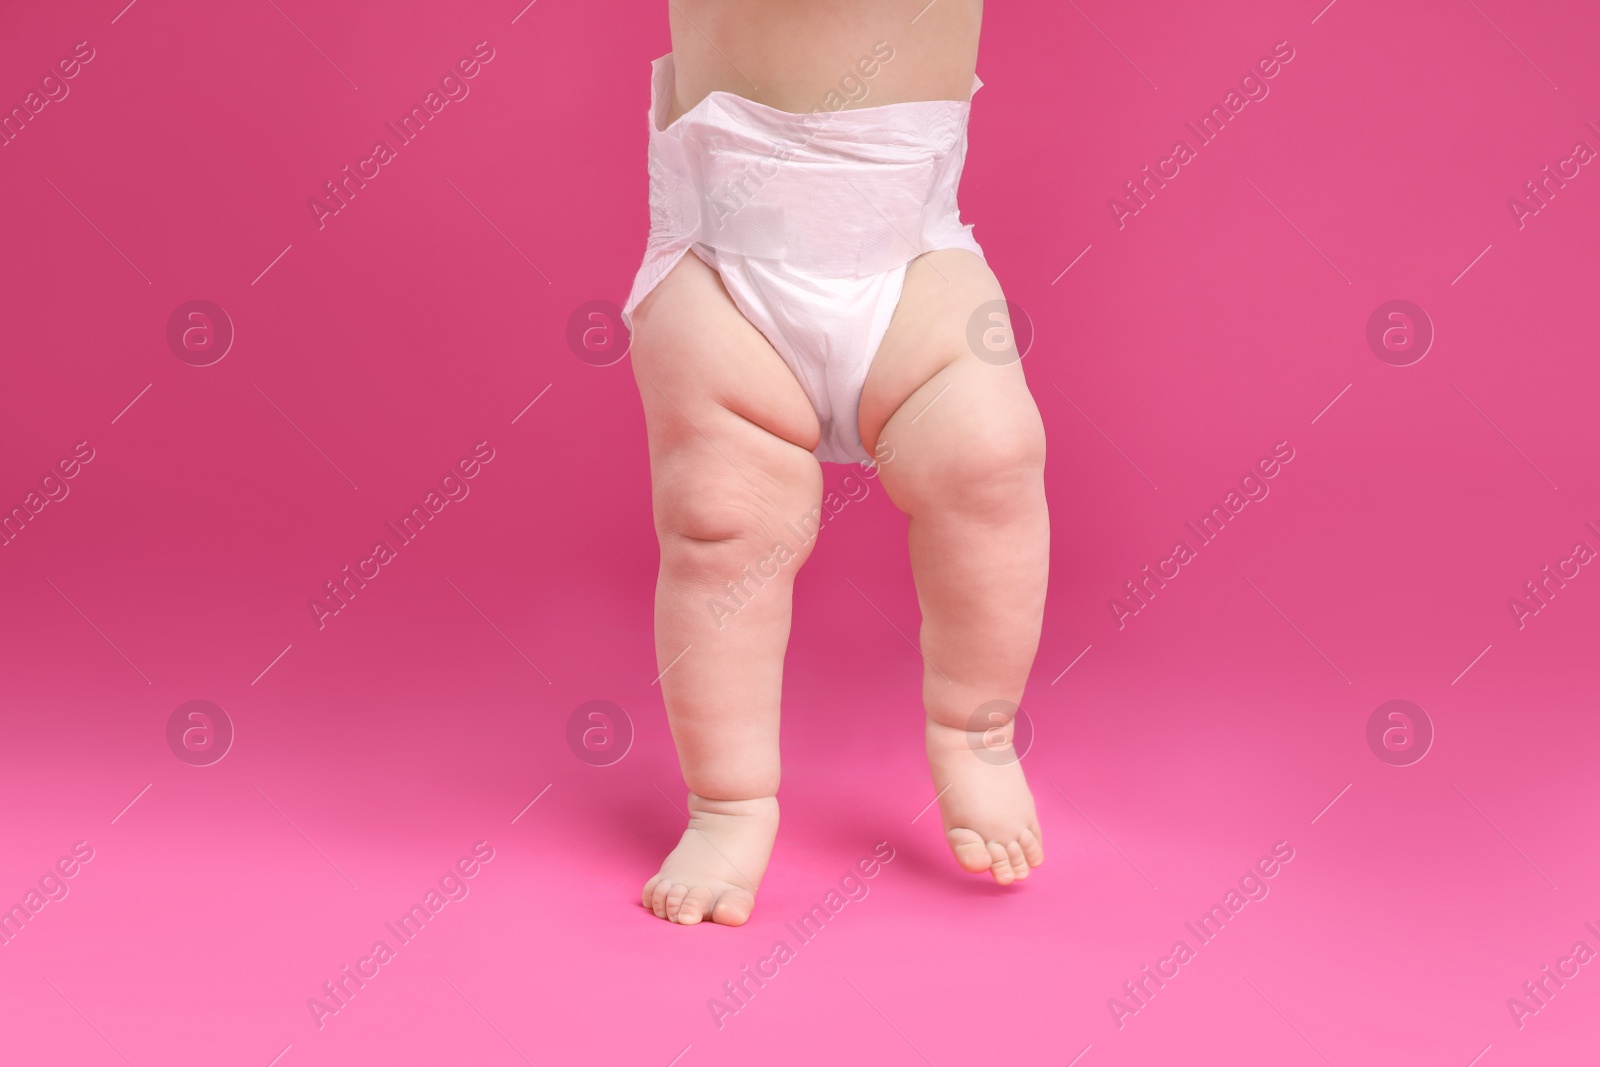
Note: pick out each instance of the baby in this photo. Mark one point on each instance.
(835, 309)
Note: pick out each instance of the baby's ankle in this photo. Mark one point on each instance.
(753, 807)
(979, 733)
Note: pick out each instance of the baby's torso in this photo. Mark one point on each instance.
(798, 55)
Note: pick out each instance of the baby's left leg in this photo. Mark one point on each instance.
(967, 467)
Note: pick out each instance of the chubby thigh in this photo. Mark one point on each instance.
(704, 372)
(940, 385)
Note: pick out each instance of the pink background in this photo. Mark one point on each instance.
(428, 314)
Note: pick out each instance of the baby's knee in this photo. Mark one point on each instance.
(1010, 448)
(721, 526)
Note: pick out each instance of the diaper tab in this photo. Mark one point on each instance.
(750, 229)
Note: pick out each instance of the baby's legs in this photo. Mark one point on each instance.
(730, 437)
(967, 467)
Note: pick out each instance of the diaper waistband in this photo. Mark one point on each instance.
(846, 193)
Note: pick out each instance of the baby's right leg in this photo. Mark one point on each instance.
(730, 435)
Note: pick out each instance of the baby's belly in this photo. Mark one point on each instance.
(833, 54)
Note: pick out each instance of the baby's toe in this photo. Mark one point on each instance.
(1000, 864)
(658, 899)
(970, 850)
(1032, 847)
(694, 906)
(1019, 863)
(733, 907)
(649, 891)
(675, 897)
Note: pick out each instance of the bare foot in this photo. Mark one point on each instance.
(988, 812)
(716, 868)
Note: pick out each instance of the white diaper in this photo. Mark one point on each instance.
(810, 219)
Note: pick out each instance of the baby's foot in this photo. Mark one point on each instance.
(717, 866)
(988, 812)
